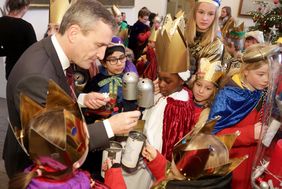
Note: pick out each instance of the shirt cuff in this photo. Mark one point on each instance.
(80, 100)
(108, 128)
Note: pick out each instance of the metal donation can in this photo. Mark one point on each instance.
(133, 147)
(113, 152)
(145, 93)
(129, 86)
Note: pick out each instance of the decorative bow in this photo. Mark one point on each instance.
(114, 82)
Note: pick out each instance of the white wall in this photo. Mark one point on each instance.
(234, 4)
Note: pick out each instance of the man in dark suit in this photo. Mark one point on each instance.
(85, 32)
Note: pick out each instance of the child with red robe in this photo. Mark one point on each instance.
(240, 105)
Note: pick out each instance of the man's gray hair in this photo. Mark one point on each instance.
(86, 13)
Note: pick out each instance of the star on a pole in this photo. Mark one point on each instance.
(273, 30)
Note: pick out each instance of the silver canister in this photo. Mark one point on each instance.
(133, 148)
(145, 93)
(113, 153)
(129, 86)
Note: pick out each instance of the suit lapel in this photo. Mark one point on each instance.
(50, 50)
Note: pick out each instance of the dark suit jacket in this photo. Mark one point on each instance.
(37, 65)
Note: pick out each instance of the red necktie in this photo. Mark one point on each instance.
(70, 79)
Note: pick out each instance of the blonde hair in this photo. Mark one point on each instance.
(209, 36)
(244, 67)
(251, 66)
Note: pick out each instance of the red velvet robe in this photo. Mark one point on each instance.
(151, 69)
(245, 144)
(178, 120)
(147, 64)
(197, 112)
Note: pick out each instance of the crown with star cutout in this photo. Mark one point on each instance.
(36, 143)
(210, 71)
(200, 153)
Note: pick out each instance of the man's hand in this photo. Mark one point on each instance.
(95, 100)
(124, 122)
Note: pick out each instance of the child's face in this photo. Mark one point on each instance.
(223, 12)
(157, 23)
(115, 63)
(118, 19)
(151, 44)
(52, 28)
(203, 90)
(144, 19)
(205, 16)
(257, 79)
(169, 83)
(250, 42)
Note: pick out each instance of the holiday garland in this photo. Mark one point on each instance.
(268, 20)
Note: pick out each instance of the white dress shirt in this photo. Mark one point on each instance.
(65, 62)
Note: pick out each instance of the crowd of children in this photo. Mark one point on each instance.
(192, 85)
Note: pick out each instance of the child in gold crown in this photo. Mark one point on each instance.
(240, 105)
(56, 139)
(172, 107)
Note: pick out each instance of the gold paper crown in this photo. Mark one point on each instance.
(154, 34)
(171, 48)
(75, 144)
(237, 31)
(210, 153)
(179, 13)
(123, 34)
(57, 10)
(279, 40)
(259, 52)
(115, 11)
(210, 71)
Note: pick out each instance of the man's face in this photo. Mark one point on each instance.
(87, 47)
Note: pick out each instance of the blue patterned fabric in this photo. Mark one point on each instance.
(233, 104)
(106, 88)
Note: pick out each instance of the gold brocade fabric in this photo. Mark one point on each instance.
(213, 51)
(227, 26)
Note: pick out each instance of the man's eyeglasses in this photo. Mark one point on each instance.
(114, 61)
